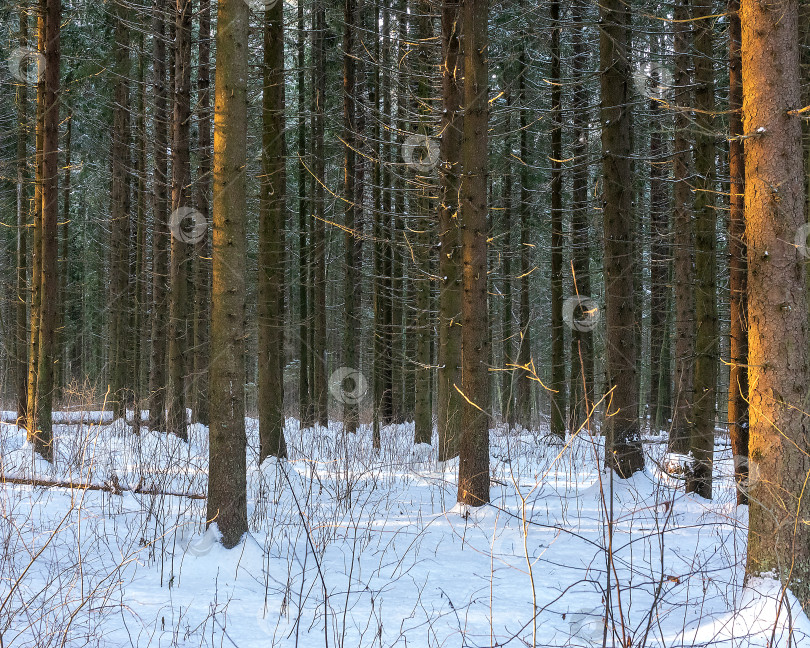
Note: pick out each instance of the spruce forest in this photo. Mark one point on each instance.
(405, 323)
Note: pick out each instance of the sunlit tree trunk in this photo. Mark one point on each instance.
(270, 309)
(623, 452)
(738, 279)
(778, 538)
(473, 471)
(227, 482)
(23, 211)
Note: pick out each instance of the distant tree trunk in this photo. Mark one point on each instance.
(738, 267)
(509, 241)
(423, 404)
(270, 310)
(449, 400)
(43, 435)
(227, 480)
(119, 225)
(473, 470)
(557, 332)
(61, 347)
(778, 537)
(683, 239)
(140, 305)
(320, 389)
(160, 243)
(623, 452)
(581, 388)
(305, 408)
(378, 232)
(181, 236)
(660, 254)
(23, 210)
(202, 258)
(386, 289)
(350, 215)
(523, 387)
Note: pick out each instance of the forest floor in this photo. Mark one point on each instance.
(350, 548)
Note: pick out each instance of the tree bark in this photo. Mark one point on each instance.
(473, 471)
(623, 452)
(23, 216)
(270, 310)
(778, 538)
(227, 481)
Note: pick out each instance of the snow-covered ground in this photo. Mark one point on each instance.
(349, 547)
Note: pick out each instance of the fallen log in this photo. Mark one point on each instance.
(115, 488)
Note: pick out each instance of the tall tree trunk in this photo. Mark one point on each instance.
(557, 331)
(320, 389)
(683, 239)
(704, 408)
(378, 232)
(182, 229)
(270, 310)
(738, 267)
(778, 538)
(227, 480)
(61, 348)
(623, 452)
(23, 211)
(509, 241)
(449, 379)
(43, 441)
(160, 242)
(352, 251)
(305, 409)
(140, 305)
(202, 256)
(581, 389)
(387, 405)
(473, 469)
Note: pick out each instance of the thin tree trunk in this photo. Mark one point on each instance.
(270, 310)
(557, 332)
(305, 409)
(449, 379)
(778, 538)
(473, 470)
(623, 452)
(738, 268)
(157, 372)
(227, 480)
(23, 211)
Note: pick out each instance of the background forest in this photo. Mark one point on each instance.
(254, 225)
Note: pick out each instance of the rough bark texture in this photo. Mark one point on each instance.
(181, 198)
(449, 400)
(473, 470)
(227, 482)
(270, 308)
(557, 393)
(623, 451)
(778, 538)
(683, 239)
(738, 267)
(699, 478)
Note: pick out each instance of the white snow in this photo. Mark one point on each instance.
(348, 547)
